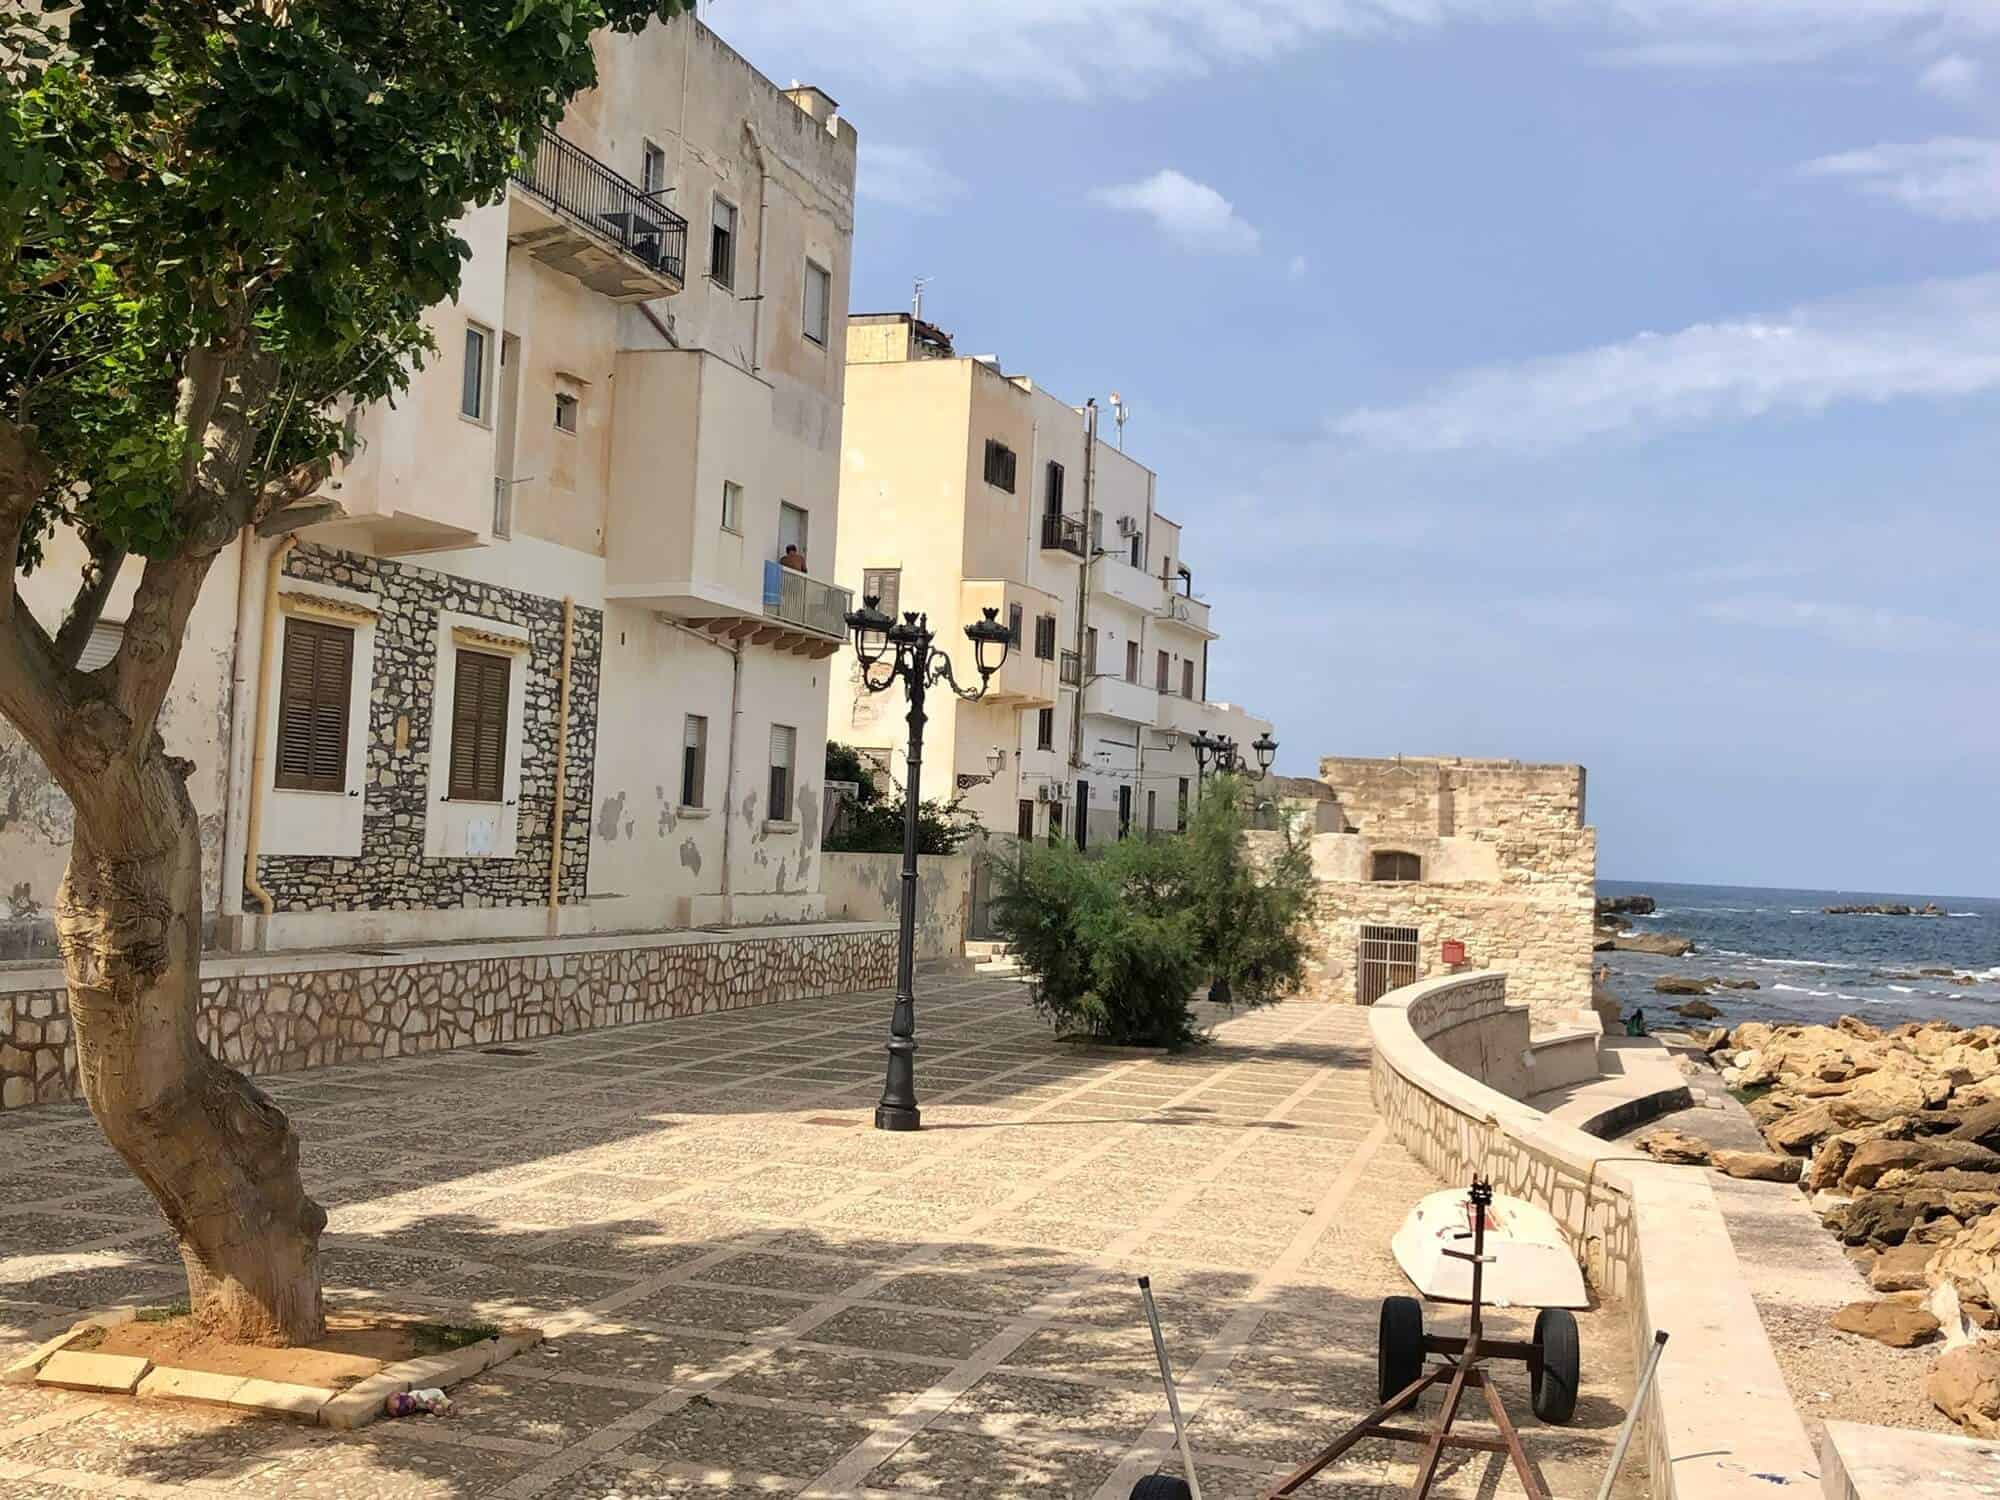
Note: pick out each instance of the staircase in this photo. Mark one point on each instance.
(995, 960)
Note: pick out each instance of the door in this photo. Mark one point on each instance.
(1387, 961)
(792, 527)
(1083, 815)
(1124, 812)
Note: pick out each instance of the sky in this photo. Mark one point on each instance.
(1612, 382)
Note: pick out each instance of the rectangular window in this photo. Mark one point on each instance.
(694, 761)
(1137, 562)
(1183, 807)
(313, 689)
(1045, 637)
(722, 244)
(1160, 673)
(999, 465)
(1052, 502)
(1024, 820)
(652, 169)
(1014, 625)
(732, 506)
(472, 389)
(566, 405)
(784, 743)
(479, 727)
(819, 302)
(1045, 729)
(1090, 651)
(1131, 661)
(1187, 678)
(886, 585)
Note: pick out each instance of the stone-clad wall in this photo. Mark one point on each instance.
(392, 873)
(271, 1016)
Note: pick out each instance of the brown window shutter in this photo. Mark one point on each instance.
(479, 727)
(313, 683)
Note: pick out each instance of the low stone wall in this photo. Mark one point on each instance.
(1719, 1421)
(308, 1010)
(868, 888)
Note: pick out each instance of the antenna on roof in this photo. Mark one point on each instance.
(917, 296)
(1120, 411)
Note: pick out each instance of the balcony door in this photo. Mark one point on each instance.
(792, 530)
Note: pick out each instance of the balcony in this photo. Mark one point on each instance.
(1184, 613)
(574, 213)
(1072, 669)
(1188, 716)
(1062, 534)
(1024, 680)
(796, 599)
(1115, 698)
(1112, 577)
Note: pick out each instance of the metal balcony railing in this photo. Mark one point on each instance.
(1062, 534)
(1072, 669)
(587, 192)
(791, 596)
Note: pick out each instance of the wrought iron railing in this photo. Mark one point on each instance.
(1062, 534)
(587, 192)
(791, 596)
(1072, 669)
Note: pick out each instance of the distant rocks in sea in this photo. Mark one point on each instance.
(1885, 909)
(1666, 944)
(1626, 906)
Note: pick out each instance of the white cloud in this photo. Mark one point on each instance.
(1933, 339)
(1953, 76)
(1952, 178)
(1078, 47)
(1864, 626)
(1296, 271)
(1191, 214)
(905, 176)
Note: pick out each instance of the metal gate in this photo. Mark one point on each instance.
(1388, 961)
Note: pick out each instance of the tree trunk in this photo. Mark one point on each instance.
(218, 1155)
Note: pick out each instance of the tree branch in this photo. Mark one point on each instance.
(100, 575)
(24, 476)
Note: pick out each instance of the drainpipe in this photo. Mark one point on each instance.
(253, 830)
(763, 215)
(1083, 579)
(562, 769)
(240, 728)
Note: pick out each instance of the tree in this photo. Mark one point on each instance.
(220, 222)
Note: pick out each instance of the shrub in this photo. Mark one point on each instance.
(1250, 911)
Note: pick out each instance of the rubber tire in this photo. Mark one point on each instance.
(1399, 1346)
(1162, 1487)
(1553, 1382)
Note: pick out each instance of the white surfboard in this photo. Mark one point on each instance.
(1531, 1263)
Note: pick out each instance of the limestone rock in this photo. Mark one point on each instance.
(1901, 1268)
(1884, 1219)
(1970, 1262)
(1854, 1026)
(1965, 1385)
(1675, 1146)
(1758, 1166)
(1738, 984)
(1799, 1131)
(1980, 1125)
(1875, 1159)
(1679, 984)
(1900, 1325)
(1697, 1010)
(1664, 943)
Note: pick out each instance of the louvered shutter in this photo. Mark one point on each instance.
(479, 727)
(313, 685)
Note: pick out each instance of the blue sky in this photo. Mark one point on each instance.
(1604, 382)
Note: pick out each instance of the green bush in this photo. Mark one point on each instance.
(877, 827)
(1115, 945)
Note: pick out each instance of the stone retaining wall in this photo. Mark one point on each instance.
(1720, 1422)
(274, 1015)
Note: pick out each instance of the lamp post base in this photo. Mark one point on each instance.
(897, 1117)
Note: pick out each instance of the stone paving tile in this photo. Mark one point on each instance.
(967, 1464)
(751, 1438)
(615, 1351)
(500, 1404)
(857, 1383)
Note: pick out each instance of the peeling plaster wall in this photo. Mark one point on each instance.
(868, 888)
(36, 818)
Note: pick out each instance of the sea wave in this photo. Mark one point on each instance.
(1792, 989)
(1961, 914)
(1902, 989)
(1786, 963)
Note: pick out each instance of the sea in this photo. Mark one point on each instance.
(1813, 967)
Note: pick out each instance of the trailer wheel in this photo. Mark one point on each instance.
(1399, 1346)
(1162, 1487)
(1553, 1382)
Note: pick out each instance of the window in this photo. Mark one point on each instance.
(652, 169)
(819, 301)
(1045, 729)
(1388, 960)
(1136, 560)
(1131, 661)
(1014, 625)
(566, 405)
(313, 689)
(784, 742)
(1182, 813)
(722, 247)
(472, 390)
(694, 761)
(885, 584)
(1090, 651)
(1024, 819)
(732, 506)
(1160, 673)
(999, 465)
(1394, 864)
(1052, 493)
(1045, 637)
(479, 727)
(1187, 678)
(1096, 532)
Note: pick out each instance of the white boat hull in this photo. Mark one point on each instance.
(1530, 1264)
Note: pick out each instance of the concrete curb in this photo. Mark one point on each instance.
(26, 1369)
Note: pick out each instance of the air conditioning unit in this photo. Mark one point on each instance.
(1128, 525)
(1052, 791)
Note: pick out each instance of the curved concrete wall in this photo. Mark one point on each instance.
(1720, 1424)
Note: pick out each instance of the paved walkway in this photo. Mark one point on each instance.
(749, 1292)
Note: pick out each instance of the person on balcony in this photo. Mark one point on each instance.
(793, 558)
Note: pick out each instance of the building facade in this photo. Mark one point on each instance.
(544, 672)
(964, 488)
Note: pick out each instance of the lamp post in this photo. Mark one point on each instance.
(905, 646)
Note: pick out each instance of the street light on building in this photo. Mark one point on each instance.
(905, 647)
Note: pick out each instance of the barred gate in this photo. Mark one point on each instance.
(1388, 960)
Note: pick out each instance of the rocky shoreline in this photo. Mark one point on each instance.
(1895, 1137)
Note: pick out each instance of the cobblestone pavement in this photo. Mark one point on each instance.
(750, 1292)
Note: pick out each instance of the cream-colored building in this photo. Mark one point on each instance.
(543, 672)
(965, 488)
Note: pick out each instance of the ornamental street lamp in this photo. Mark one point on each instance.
(904, 647)
(1267, 751)
(1206, 747)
